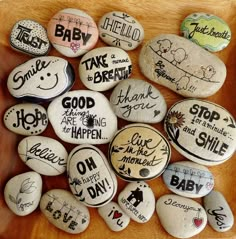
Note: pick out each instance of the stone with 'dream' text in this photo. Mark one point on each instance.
(201, 131)
(138, 101)
(22, 193)
(44, 155)
(102, 68)
(206, 30)
(64, 211)
(181, 217)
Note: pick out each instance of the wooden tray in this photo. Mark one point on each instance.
(157, 17)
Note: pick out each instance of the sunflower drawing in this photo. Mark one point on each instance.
(175, 119)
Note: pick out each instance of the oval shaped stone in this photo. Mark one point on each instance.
(206, 30)
(138, 101)
(219, 214)
(137, 201)
(114, 216)
(188, 179)
(83, 116)
(139, 152)
(182, 66)
(41, 79)
(26, 119)
(90, 177)
(29, 37)
(22, 193)
(201, 131)
(181, 217)
(121, 30)
(44, 155)
(64, 211)
(102, 68)
(72, 32)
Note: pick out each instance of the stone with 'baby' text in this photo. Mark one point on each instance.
(64, 211)
(44, 155)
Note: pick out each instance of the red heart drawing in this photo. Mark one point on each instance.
(116, 215)
(197, 221)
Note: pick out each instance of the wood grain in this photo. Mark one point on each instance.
(157, 17)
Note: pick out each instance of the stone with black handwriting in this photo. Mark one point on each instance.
(115, 218)
(121, 30)
(102, 68)
(44, 155)
(29, 37)
(182, 66)
(201, 131)
(138, 101)
(72, 32)
(181, 217)
(41, 79)
(188, 179)
(137, 201)
(26, 119)
(219, 213)
(83, 117)
(206, 30)
(139, 152)
(90, 177)
(64, 211)
(22, 193)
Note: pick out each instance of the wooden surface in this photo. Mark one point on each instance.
(156, 17)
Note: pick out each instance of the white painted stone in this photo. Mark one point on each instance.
(121, 30)
(29, 37)
(64, 211)
(182, 66)
(104, 67)
(137, 201)
(139, 152)
(44, 155)
(22, 193)
(72, 32)
(26, 119)
(188, 179)
(90, 177)
(114, 216)
(41, 79)
(219, 214)
(201, 131)
(181, 217)
(138, 101)
(83, 116)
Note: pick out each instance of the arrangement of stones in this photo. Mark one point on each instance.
(201, 131)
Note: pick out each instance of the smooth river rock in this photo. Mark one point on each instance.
(102, 68)
(115, 218)
(188, 179)
(219, 214)
(29, 37)
(201, 131)
(138, 101)
(139, 152)
(64, 211)
(22, 193)
(83, 116)
(44, 155)
(137, 201)
(41, 79)
(181, 217)
(90, 177)
(121, 30)
(26, 119)
(206, 30)
(182, 66)
(72, 32)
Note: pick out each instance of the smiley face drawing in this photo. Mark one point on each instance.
(41, 79)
